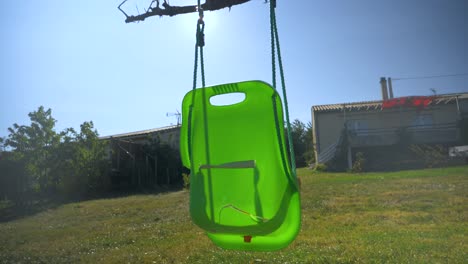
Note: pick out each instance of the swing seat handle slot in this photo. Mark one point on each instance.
(246, 164)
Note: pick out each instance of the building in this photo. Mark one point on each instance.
(169, 135)
(133, 164)
(380, 126)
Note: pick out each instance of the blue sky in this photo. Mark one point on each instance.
(82, 60)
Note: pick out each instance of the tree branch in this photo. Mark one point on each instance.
(121, 8)
(168, 10)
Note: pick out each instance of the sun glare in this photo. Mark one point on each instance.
(187, 23)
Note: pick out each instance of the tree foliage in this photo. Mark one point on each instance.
(302, 141)
(44, 162)
(80, 164)
(34, 144)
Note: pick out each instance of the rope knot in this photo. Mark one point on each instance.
(200, 13)
(201, 33)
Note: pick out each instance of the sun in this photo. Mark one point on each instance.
(187, 23)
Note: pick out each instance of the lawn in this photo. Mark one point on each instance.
(416, 216)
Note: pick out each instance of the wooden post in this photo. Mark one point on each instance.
(133, 165)
(156, 170)
(139, 176)
(118, 160)
(133, 171)
(168, 176)
(146, 168)
(350, 157)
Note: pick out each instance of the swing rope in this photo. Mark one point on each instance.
(275, 48)
(200, 42)
(200, 35)
(275, 45)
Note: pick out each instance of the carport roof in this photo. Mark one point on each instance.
(140, 133)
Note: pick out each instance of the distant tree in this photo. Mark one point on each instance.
(80, 162)
(302, 142)
(298, 134)
(91, 159)
(34, 144)
(2, 144)
(46, 162)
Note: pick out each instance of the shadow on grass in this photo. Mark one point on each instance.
(10, 211)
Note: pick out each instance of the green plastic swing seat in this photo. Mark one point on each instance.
(242, 191)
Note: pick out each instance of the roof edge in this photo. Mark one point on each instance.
(140, 132)
(378, 103)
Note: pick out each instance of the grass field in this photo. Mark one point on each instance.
(400, 217)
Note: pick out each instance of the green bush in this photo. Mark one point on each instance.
(186, 179)
(48, 163)
(320, 167)
(359, 163)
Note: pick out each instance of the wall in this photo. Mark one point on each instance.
(366, 128)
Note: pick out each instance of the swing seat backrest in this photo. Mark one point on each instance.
(242, 191)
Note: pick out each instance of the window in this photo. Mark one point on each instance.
(359, 127)
(422, 121)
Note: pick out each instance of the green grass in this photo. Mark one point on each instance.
(400, 217)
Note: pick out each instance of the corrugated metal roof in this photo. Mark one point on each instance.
(377, 105)
(140, 133)
(367, 105)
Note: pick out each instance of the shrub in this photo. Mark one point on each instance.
(320, 167)
(359, 162)
(186, 179)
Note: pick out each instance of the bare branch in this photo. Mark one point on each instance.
(138, 11)
(168, 10)
(152, 2)
(121, 8)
